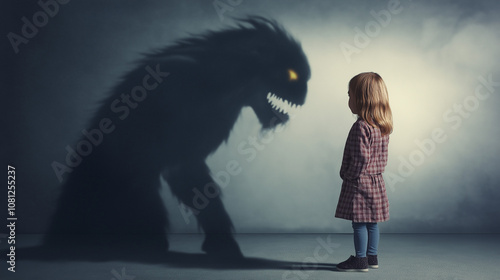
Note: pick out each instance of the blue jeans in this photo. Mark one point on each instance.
(366, 238)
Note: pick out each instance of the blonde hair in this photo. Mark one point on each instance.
(372, 100)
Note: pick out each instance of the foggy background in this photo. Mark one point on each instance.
(432, 56)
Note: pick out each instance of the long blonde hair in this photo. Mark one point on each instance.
(372, 100)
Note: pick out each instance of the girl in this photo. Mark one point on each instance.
(363, 198)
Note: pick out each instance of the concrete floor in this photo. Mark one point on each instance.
(279, 256)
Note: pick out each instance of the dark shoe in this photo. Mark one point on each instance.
(354, 264)
(372, 261)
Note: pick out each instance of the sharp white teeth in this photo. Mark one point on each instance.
(282, 105)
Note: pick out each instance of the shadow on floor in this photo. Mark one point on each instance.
(170, 259)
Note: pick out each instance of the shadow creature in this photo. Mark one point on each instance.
(164, 119)
(168, 259)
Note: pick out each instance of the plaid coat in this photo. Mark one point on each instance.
(363, 197)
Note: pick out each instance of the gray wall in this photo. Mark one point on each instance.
(442, 174)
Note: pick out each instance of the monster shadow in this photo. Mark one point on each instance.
(164, 119)
(173, 259)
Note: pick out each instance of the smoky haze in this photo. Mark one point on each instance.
(439, 61)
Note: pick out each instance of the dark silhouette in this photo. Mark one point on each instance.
(172, 259)
(165, 118)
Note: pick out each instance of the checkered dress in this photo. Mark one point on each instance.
(363, 197)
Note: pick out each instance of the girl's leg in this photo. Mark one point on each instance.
(373, 238)
(360, 262)
(360, 239)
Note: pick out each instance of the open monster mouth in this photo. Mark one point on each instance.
(282, 105)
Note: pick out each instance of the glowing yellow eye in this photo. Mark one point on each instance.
(292, 75)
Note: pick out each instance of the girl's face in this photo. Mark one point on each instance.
(352, 102)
